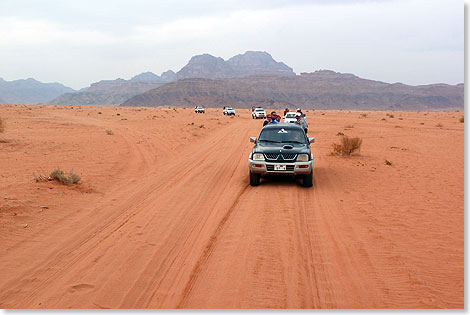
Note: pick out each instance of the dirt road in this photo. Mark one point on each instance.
(165, 216)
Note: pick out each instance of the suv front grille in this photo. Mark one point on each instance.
(271, 156)
(289, 156)
(280, 157)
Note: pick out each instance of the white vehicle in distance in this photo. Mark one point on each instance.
(290, 117)
(258, 113)
(199, 109)
(229, 111)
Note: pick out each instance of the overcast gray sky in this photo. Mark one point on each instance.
(80, 42)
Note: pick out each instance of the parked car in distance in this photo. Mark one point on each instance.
(199, 109)
(258, 113)
(290, 117)
(281, 149)
(228, 111)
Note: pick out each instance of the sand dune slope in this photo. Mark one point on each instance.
(165, 217)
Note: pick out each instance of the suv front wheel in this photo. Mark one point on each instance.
(307, 181)
(254, 179)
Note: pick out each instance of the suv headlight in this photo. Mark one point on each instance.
(258, 157)
(302, 157)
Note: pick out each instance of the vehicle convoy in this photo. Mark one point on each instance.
(290, 117)
(199, 109)
(228, 111)
(281, 149)
(258, 113)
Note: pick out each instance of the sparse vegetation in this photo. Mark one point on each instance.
(60, 176)
(349, 126)
(340, 134)
(387, 162)
(2, 125)
(363, 115)
(348, 146)
(461, 119)
(439, 125)
(109, 132)
(40, 178)
(202, 126)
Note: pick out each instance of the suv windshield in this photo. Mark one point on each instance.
(282, 135)
(259, 110)
(291, 115)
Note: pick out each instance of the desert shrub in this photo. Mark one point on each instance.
(40, 178)
(461, 119)
(109, 132)
(364, 115)
(340, 133)
(2, 125)
(349, 126)
(348, 146)
(60, 176)
(439, 125)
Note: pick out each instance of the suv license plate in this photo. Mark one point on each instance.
(278, 167)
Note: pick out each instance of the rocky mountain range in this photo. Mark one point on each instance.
(245, 80)
(321, 90)
(30, 91)
(249, 63)
(114, 92)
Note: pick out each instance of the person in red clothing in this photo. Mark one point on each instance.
(286, 111)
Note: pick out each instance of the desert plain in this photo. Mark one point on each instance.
(164, 216)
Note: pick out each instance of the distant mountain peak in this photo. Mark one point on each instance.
(30, 91)
(248, 63)
(146, 77)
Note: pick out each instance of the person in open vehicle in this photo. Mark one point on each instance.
(300, 121)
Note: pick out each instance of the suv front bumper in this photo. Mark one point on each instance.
(268, 168)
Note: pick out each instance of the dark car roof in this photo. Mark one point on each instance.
(283, 125)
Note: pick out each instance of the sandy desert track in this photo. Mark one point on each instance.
(165, 216)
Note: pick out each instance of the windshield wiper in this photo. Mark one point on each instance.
(274, 141)
(293, 141)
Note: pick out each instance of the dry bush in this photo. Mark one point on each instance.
(461, 119)
(349, 126)
(60, 176)
(363, 115)
(439, 125)
(2, 125)
(348, 146)
(109, 132)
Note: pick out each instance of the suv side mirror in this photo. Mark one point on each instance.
(311, 140)
(253, 139)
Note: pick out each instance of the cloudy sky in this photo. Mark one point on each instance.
(80, 42)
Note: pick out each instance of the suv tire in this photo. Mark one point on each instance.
(307, 181)
(254, 179)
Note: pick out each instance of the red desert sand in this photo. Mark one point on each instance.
(164, 216)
